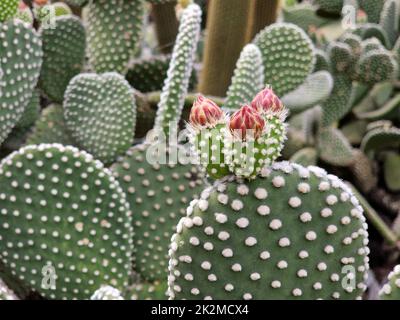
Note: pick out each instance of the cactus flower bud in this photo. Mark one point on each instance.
(246, 118)
(267, 100)
(205, 112)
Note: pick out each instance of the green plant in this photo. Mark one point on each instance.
(391, 290)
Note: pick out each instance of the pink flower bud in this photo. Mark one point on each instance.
(205, 112)
(247, 118)
(267, 100)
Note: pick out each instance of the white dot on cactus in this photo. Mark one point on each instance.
(223, 235)
(345, 220)
(326, 212)
(322, 266)
(263, 210)
(227, 253)
(347, 241)
(317, 286)
(261, 193)
(278, 181)
(242, 223)
(236, 267)
(242, 189)
(237, 205)
(229, 287)
(331, 229)
(284, 242)
(276, 284)
(303, 254)
(264, 255)
(221, 218)
(295, 202)
(250, 241)
(305, 217)
(324, 186)
(209, 231)
(329, 249)
(282, 264)
(247, 296)
(208, 246)
(275, 224)
(331, 199)
(334, 277)
(212, 277)
(194, 241)
(223, 198)
(303, 187)
(255, 276)
(195, 291)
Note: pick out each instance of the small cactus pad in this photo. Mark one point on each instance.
(160, 194)
(50, 128)
(288, 56)
(372, 8)
(156, 290)
(107, 293)
(63, 218)
(180, 68)
(100, 113)
(148, 74)
(31, 113)
(331, 6)
(63, 55)
(248, 78)
(8, 8)
(290, 234)
(113, 31)
(334, 148)
(20, 63)
(391, 290)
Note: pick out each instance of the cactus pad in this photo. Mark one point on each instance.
(288, 56)
(113, 33)
(156, 290)
(63, 55)
(160, 194)
(20, 63)
(8, 8)
(391, 290)
(286, 235)
(63, 212)
(100, 112)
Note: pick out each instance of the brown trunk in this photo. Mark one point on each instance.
(262, 14)
(166, 25)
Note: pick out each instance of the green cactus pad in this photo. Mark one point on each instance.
(156, 290)
(20, 63)
(334, 147)
(181, 66)
(63, 55)
(331, 6)
(340, 55)
(391, 171)
(380, 138)
(391, 290)
(315, 89)
(6, 293)
(113, 33)
(354, 131)
(8, 8)
(288, 56)
(372, 8)
(160, 194)
(25, 15)
(100, 113)
(390, 20)
(372, 30)
(376, 66)
(107, 293)
(305, 157)
(149, 74)
(285, 235)
(63, 212)
(388, 111)
(50, 128)
(322, 62)
(31, 113)
(304, 16)
(338, 104)
(248, 78)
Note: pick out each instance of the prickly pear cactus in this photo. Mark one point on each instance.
(160, 194)
(18, 72)
(8, 8)
(113, 31)
(107, 293)
(288, 56)
(391, 290)
(286, 235)
(64, 54)
(248, 77)
(156, 290)
(100, 113)
(64, 218)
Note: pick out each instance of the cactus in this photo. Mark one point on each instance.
(86, 248)
(113, 33)
(24, 14)
(8, 9)
(106, 293)
(176, 85)
(372, 8)
(248, 77)
(50, 127)
(149, 291)
(77, 3)
(31, 113)
(18, 72)
(331, 6)
(100, 114)
(6, 293)
(391, 290)
(390, 20)
(303, 15)
(148, 75)
(288, 56)
(391, 171)
(334, 147)
(305, 157)
(63, 55)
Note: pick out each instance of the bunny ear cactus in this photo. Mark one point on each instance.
(391, 290)
(248, 78)
(288, 56)
(21, 60)
(113, 31)
(100, 113)
(63, 217)
(64, 55)
(286, 232)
